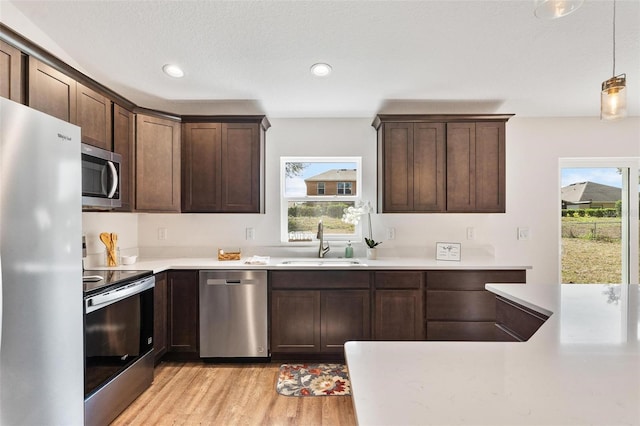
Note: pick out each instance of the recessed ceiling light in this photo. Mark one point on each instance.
(321, 69)
(173, 70)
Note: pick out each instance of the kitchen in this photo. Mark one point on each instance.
(535, 143)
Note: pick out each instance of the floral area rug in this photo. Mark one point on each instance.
(313, 380)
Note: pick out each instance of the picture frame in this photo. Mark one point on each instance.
(448, 251)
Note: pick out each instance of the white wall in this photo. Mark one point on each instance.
(534, 146)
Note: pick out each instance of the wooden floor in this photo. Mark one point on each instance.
(196, 393)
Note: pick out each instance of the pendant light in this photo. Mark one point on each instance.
(552, 9)
(613, 98)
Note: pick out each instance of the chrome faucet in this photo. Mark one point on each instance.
(322, 249)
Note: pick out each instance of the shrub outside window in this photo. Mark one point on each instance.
(318, 188)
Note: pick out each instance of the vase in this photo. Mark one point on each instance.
(372, 253)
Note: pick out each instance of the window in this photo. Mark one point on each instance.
(599, 226)
(344, 188)
(315, 189)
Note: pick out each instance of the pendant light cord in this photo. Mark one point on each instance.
(614, 38)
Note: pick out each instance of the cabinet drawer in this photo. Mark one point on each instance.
(472, 280)
(518, 320)
(462, 331)
(399, 279)
(309, 280)
(461, 305)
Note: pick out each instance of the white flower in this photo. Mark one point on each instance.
(353, 214)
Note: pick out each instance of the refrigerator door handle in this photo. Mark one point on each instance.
(114, 180)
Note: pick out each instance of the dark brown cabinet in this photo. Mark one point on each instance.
(476, 167)
(398, 309)
(93, 115)
(183, 312)
(157, 164)
(516, 322)
(295, 319)
(160, 317)
(51, 91)
(223, 166)
(11, 73)
(124, 144)
(316, 312)
(459, 308)
(441, 163)
(413, 166)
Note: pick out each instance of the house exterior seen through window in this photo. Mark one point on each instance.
(318, 189)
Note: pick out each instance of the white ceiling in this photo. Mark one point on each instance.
(387, 56)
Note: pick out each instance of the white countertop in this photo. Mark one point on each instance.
(581, 367)
(391, 263)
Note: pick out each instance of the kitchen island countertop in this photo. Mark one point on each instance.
(581, 367)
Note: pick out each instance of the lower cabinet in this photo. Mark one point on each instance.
(160, 317)
(515, 322)
(459, 308)
(316, 312)
(183, 312)
(398, 307)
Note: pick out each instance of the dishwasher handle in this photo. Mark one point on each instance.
(223, 281)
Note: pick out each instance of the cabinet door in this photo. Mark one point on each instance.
(157, 164)
(183, 311)
(160, 316)
(94, 117)
(398, 167)
(124, 144)
(11, 68)
(201, 167)
(490, 167)
(240, 168)
(345, 315)
(295, 321)
(429, 167)
(51, 91)
(398, 315)
(461, 169)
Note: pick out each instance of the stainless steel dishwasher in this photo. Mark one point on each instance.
(233, 314)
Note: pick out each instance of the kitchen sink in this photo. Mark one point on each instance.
(325, 263)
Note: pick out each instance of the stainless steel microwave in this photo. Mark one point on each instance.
(100, 178)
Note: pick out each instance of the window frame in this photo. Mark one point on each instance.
(284, 199)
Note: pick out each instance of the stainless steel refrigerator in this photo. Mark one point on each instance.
(41, 316)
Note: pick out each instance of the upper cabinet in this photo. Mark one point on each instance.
(223, 164)
(441, 163)
(157, 164)
(11, 73)
(124, 143)
(59, 95)
(94, 117)
(51, 91)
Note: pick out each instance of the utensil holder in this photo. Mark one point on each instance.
(112, 259)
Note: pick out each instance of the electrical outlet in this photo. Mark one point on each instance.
(250, 234)
(162, 233)
(523, 233)
(391, 233)
(471, 233)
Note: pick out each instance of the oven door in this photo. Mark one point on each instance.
(118, 331)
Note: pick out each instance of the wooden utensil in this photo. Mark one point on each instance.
(107, 240)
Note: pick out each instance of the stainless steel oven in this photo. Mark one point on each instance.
(100, 178)
(118, 342)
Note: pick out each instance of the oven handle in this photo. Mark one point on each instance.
(99, 301)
